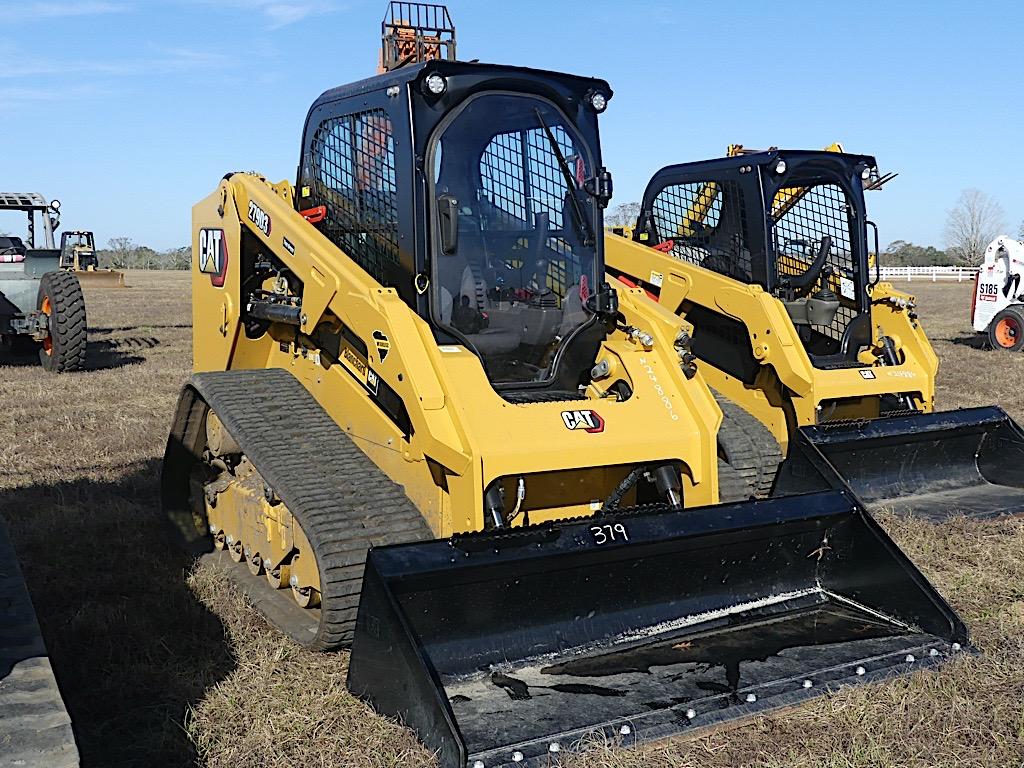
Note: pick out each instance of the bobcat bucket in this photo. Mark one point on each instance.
(502, 648)
(935, 466)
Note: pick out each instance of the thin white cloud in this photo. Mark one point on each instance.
(12, 96)
(282, 14)
(164, 60)
(42, 68)
(278, 13)
(178, 59)
(56, 10)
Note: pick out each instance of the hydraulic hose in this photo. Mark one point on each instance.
(620, 490)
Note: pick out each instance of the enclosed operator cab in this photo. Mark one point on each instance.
(805, 244)
(78, 251)
(481, 212)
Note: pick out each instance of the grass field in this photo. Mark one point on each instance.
(163, 665)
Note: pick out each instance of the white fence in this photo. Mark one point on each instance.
(960, 274)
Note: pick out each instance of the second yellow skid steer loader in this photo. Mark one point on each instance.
(423, 426)
(766, 255)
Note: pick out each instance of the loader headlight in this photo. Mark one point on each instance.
(865, 173)
(780, 167)
(55, 205)
(436, 84)
(598, 101)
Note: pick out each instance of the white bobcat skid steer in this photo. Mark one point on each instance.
(998, 306)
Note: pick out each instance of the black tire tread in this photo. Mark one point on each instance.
(1017, 311)
(68, 328)
(732, 486)
(35, 728)
(748, 446)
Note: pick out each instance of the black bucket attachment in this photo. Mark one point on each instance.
(934, 466)
(501, 648)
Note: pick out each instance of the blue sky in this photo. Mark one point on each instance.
(129, 112)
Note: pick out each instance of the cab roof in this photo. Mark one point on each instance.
(771, 156)
(414, 72)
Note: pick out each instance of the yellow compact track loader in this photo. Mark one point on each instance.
(78, 256)
(766, 255)
(423, 426)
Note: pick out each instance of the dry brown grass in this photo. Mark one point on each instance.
(163, 665)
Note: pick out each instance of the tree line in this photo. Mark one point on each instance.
(123, 253)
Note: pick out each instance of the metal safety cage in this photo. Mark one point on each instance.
(352, 176)
(705, 223)
(31, 203)
(790, 201)
(412, 33)
(401, 97)
(800, 216)
(521, 178)
(23, 201)
(704, 213)
(501, 648)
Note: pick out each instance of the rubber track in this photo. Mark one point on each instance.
(732, 486)
(67, 323)
(35, 729)
(749, 447)
(343, 501)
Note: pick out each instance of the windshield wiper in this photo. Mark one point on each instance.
(582, 225)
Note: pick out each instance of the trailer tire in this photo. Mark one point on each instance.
(1006, 331)
(60, 297)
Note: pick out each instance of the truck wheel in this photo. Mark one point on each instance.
(1006, 331)
(60, 298)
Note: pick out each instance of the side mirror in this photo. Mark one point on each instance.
(448, 218)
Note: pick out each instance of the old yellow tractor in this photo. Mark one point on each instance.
(78, 256)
